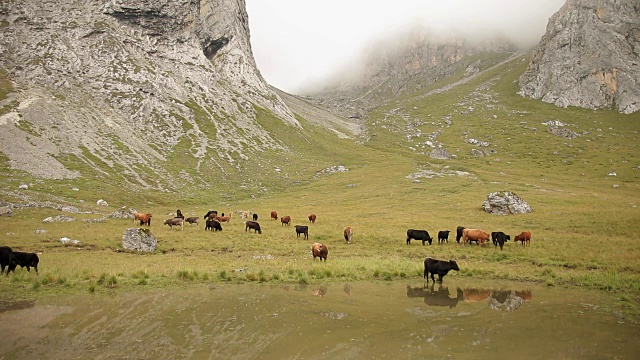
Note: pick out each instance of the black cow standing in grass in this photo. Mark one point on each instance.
(302, 229)
(499, 238)
(213, 225)
(255, 217)
(459, 233)
(7, 259)
(443, 235)
(433, 266)
(422, 235)
(252, 225)
(28, 260)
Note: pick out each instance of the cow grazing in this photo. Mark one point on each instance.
(348, 234)
(477, 235)
(224, 218)
(244, 215)
(193, 220)
(523, 237)
(302, 229)
(211, 214)
(179, 214)
(174, 222)
(7, 259)
(255, 217)
(418, 235)
(253, 226)
(443, 235)
(28, 260)
(274, 215)
(145, 219)
(213, 225)
(285, 220)
(459, 230)
(499, 238)
(433, 266)
(312, 218)
(319, 250)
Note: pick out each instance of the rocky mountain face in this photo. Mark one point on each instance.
(129, 86)
(405, 63)
(589, 57)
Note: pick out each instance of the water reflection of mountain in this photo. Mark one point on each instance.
(503, 300)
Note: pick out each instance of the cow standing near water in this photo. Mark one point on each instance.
(319, 250)
(442, 268)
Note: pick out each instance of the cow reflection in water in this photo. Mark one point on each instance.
(432, 297)
(320, 291)
(504, 300)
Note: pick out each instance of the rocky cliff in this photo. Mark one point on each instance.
(588, 57)
(131, 87)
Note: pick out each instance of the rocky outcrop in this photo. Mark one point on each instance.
(138, 239)
(505, 203)
(127, 84)
(589, 57)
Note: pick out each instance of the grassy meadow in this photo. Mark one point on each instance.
(584, 223)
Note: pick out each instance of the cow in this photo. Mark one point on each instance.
(211, 214)
(224, 218)
(255, 217)
(477, 235)
(7, 259)
(274, 215)
(312, 218)
(499, 238)
(302, 229)
(213, 225)
(523, 237)
(433, 266)
(443, 235)
(319, 250)
(174, 222)
(418, 235)
(244, 215)
(179, 214)
(285, 220)
(252, 225)
(193, 220)
(145, 219)
(24, 259)
(348, 234)
(459, 233)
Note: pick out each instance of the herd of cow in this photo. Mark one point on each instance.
(467, 236)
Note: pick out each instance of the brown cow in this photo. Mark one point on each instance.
(319, 250)
(224, 218)
(312, 218)
(274, 215)
(176, 221)
(478, 235)
(145, 219)
(193, 220)
(348, 234)
(523, 237)
(285, 220)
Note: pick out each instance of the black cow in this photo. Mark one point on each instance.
(499, 238)
(418, 235)
(441, 297)
(252, 225)
(302, 229)
(443, 235)
(213, 225)
(459, 233)
(179, 214)
(255, 217)
(433, 266)
(7, 259)
(28, 260)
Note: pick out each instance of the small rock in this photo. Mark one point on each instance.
(23, 187)
(40, 231)
(615, 186)
(613, 173)
(101, 202)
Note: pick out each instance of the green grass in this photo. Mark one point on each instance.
(583, 228)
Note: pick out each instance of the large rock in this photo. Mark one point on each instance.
(588, 57)
(138, 239)
(505, 203)
(6, 211)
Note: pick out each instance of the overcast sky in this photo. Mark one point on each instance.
(295, 41)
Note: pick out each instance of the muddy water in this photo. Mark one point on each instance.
(394, 320)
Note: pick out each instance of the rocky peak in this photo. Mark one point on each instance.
(588, 57)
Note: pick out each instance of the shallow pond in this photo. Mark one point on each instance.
(380, 320)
